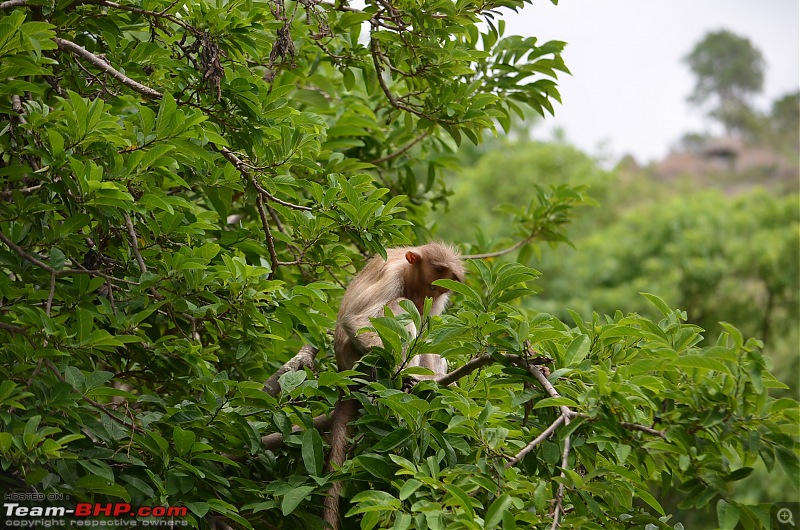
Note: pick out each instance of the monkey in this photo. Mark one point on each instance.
(407, 273)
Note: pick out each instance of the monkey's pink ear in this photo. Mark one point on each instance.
(412, 257)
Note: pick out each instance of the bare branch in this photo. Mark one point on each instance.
(92, 402)
(536, 441)
(503, 252)
(29, 189)
(107, 68)
(462, 371)
(157, 14)
(60, 272)
(540, 377)
(139, 259)
(48, 306)
(626, 425)
(242, 168)
(268, 233)
(400, 151)
(11, 328)
(13, 3)
(561, 487)
(643, 428)
(305, 357)
(274, 441)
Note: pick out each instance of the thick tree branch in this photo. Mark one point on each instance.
(12, 3)
(11, 328)
(83, 53)
(462, 371)
(304, 358)
(274, 441)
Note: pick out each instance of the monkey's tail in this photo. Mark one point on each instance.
(344, 412)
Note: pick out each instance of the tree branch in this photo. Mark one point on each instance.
(273, 441)
(139, 259)
(12, 3)
(11, 328)
(242, 168)
(57, 272)
(82, 52)
(462, 371)
(268, 233)
(536, 441)
(89, 400)
(503, 252)
(561, 487)
(400, 151)
(305, 357)
(157, 14)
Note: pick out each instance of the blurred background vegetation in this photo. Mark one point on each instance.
(713, 228)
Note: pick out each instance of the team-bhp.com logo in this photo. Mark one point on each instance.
(93, 514)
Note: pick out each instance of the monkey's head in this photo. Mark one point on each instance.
(428, 263)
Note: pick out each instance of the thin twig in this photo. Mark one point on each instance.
(643, 428)
(400, 151)
(139, 259)
(503, 252)
(559, 509)
(242, 168)
(268, 233)
(52, 294)
(89, 400)
(536, 441)
(157, 14)
(104, 66)
(29, 189)
(60, 272)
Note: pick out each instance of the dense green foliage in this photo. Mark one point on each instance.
(186, 187)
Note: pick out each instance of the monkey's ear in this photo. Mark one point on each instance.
(412, 257)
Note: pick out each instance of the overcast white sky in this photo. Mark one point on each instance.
(627, 94)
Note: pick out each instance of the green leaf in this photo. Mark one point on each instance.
(393, 439)
(577, 350)
(312, 452)
(461, 498)
(727, 515)
(408, 488)
(494, 515)
(183, 440)
(700, 361)
(660, 304)
(294, 497)
(560, 401)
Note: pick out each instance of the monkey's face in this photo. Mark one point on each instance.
(437, 272)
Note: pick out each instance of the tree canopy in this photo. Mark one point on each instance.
(186, 188)
(729, 69)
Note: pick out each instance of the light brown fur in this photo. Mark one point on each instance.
(407, 273)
